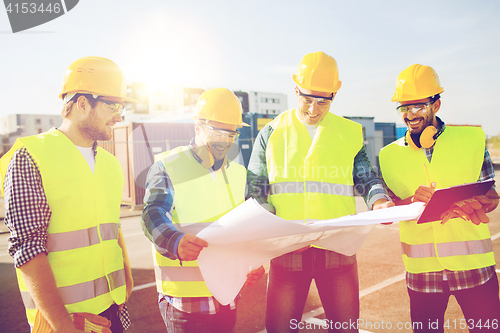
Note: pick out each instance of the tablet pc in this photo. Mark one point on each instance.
(443, 198)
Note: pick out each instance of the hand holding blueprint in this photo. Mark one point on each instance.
(249, 236)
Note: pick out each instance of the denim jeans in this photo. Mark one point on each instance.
(287, 293)
(479, 304)
(178, 321)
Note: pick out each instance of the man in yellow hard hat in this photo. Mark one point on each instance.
(306, 164)
(62, 197)
(188, 188)
(454, 255)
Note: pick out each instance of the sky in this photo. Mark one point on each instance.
(257, 45)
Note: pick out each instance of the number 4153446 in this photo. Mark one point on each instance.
(32, 7)
(470, 324)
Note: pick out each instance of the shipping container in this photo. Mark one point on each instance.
(248, 134)
(400, 131)
(388, 130)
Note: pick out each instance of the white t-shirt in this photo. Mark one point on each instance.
(88, 154)
(311, 129)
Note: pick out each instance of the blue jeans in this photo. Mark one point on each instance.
(287, 293)
(478, 304)
(178, 321)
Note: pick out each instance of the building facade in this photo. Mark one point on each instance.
(267, 103)
(177, 104)
(14, 126)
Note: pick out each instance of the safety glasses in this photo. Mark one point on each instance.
(220, 133)
(416, 109)
(114, 107)
(320, 100)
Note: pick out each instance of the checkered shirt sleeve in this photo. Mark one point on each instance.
(158, 207)
(27, 212)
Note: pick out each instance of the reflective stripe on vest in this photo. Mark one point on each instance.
(312, 178)
(447, 249)
(82, 291)
(313, 187)
(457, 158)
(85, 209)
(80, 238)
(201, 197)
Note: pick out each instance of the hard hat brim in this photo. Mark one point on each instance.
(196, 117)
(124, 99)
(415, 97)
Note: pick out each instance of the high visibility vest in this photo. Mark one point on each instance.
(457, 159)
(312, 179)
(200, 198)
(82, 241)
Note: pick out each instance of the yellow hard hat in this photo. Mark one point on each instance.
(220, 105)
(318, 71)
(97, 76)
(417, 82)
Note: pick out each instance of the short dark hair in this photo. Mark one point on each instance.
(435, 98)
(67, 106)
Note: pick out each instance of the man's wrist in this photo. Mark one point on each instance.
(175, 249)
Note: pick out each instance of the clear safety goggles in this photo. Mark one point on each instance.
(220, 133)
(320, 100)
(114, 107)
(416, 109)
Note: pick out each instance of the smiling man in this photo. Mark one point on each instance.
(452, 256)
(206, 184)
(305, 164)
(62, 199)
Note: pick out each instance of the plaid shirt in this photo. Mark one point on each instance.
(27, 212)
(366, 182)
(432, 282)
(156, 222)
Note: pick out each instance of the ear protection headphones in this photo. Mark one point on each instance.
(203, 155)
(426, 138)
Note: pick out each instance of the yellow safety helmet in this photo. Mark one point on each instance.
(318, 71)
(220, 105)
(96, 76)
(417, 82)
